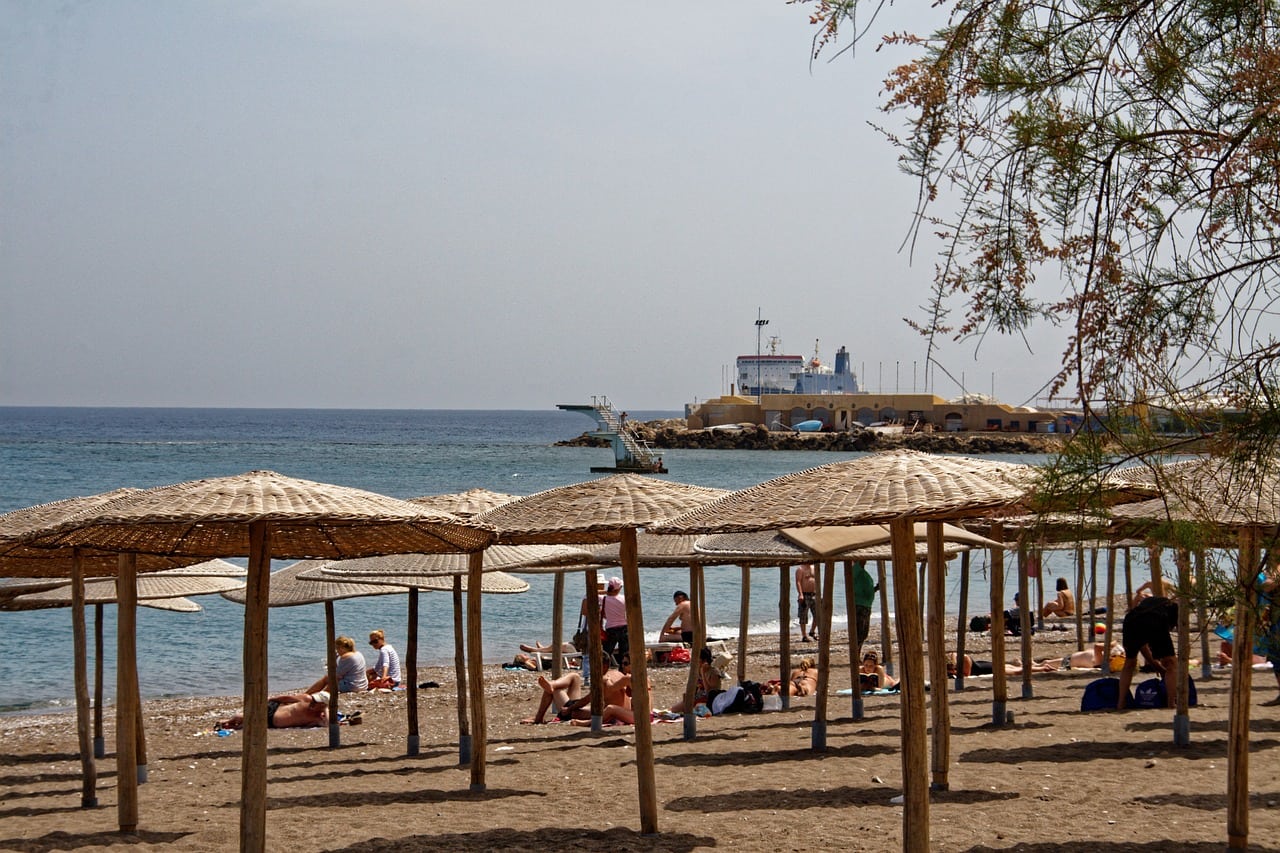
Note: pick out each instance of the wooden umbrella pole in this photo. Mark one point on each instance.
(915, 747)
(140, 742)
(1000, 681)
(1128, 578)
(253, 757)
(1093, 595)
(331, 669)
(595, 652)
(99, 739)
(1181, 714)
(1037, 561)
(410, 673)
(1157, 575)
(690, 719)
(1024, 618)
(1079, 596)
(1202, 616)
(855, 647)
(1107, 636)
(784, 635)
(640, 700)
(826, 603)
(127, 693)
(475, 670)
(938, 656)
(744, 619)
(460, 674)
(886, 645)
(1241, 693)
(88, 767)
(557, 626)
(960, 619)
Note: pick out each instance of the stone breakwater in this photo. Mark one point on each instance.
(672, 434)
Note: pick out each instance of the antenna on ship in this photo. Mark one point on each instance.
(760, 324)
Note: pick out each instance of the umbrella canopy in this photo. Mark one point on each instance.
(289, 590)
(1224, 492)
(492, 583)
(18, 559)
(465, 504)
(154, 586)
(865, 490)
(305, 519)
(773, 548)
(594, 512)
(542, 557)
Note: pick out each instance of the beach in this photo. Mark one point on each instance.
(1055, 779)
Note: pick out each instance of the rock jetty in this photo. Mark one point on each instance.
(673, 434)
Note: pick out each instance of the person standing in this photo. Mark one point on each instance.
(864, 598)
(613, 616)
(807, 599)
(1149, 625)
(386, 672)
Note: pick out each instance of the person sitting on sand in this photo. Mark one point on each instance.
(710, 680)
(803, 681)
(564, 697)
(386, 672)
(1063, 605)
(872, 675)
(352, 677)
(289, 711)
(682, 614)
(615, 688)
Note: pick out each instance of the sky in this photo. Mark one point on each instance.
(405, 204)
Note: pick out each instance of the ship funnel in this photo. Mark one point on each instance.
(842, 361)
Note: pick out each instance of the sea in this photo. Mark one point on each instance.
(48, 454)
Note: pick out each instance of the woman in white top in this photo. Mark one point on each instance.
(613, 616)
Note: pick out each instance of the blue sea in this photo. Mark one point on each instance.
(48, 454)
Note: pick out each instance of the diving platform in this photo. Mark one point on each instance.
(632, 455)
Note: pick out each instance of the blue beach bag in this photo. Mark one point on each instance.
(1101, 695)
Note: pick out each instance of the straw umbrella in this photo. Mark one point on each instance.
(603, 511)
(1223, 496)
(899, 487)
(443, 572)
(847, 544)
(18, 559)
(262, 515)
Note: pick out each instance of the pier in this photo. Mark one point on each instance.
(631, 453)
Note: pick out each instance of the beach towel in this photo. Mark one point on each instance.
(1101, 695)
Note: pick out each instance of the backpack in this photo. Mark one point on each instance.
(750, 699)
(1101, 695)
(1152, 694)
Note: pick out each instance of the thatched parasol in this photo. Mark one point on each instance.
(603, 511)
(466, 504)
(899, 487)
(1226, 495)
(262, 515)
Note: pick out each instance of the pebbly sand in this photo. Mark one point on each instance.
(1055, 780)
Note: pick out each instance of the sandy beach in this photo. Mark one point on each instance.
(1054, 780)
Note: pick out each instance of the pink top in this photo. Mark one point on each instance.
(614, 609)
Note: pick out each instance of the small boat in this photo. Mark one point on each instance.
(808, 426)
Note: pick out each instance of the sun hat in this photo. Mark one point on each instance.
(321, 696)
(615, 583)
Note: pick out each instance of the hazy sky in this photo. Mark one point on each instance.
(448, 205)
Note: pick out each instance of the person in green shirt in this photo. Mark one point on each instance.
(864, 598)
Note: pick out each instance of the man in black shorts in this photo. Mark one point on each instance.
(1149, 625)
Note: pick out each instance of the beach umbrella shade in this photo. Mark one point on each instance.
(445, 572)
(20, 559)
(261, 515)
(466, 504)
(814, 544)
(603, 511)
(1220, 494)
(898, 487)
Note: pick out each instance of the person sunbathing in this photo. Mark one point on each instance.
(872, 675)
(564, 695)
(289, 711)
(1063, 605)
(803, 681)
(985, 667)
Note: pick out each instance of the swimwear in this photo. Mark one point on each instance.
(271, 713)
(686, 637)
(808, 604)
(980, 667)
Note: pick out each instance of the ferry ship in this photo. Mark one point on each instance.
(774, 373)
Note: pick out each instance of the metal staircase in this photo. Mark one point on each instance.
(631, 453)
